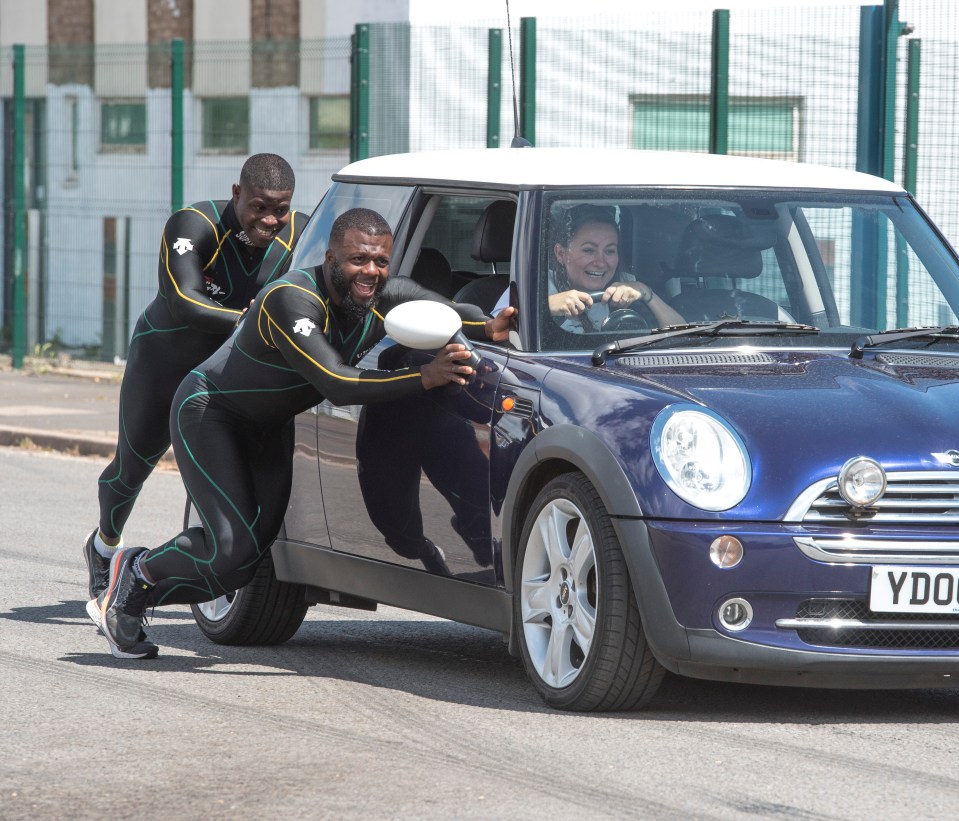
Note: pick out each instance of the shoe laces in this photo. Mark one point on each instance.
(132, 597)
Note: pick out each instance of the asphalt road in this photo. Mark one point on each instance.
(392, 715)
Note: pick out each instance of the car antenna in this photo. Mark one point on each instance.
(518, 141)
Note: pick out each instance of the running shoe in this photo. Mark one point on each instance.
(98, 567)
(120, 609)
(147, 647)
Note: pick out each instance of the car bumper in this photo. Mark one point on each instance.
(680, 593)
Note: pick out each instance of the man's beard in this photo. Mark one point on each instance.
(353, 309)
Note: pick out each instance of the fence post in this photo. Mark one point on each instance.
(527, 79)
(176, 124)
(910, 152)
(868, 255)
(909, 166)
(360, 93)
(719, 85)
(870, 98)
(19, 208)
(494, 87)
(893, 30)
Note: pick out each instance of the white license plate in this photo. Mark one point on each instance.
(898, 589)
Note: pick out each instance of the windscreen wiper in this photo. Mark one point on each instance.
(933, 334)
(733, 327)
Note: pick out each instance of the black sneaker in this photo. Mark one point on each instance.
(144, 645)
(433, 559)
(98, 567)
(121, 608)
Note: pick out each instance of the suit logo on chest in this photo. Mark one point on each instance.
(303, 326)
(212, 288)
(182, 245)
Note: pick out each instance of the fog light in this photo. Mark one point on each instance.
(735, 614)
(862, 481)
(726, 551)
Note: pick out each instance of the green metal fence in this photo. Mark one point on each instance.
(101, 143)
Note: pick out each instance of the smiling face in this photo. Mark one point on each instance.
(262, 214)
(356, 269)
(591, 257)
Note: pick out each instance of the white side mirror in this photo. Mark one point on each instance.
(426, 325)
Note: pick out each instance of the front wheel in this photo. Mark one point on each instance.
(265, 611)
(580, 633)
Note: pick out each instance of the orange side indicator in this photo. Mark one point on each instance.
(507, 404)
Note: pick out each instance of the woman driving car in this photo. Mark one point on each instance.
(583, 288)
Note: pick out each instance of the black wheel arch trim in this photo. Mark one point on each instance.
(587, 453)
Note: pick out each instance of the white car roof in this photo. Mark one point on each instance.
(518, 168)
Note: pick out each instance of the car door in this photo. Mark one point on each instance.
(398, 476)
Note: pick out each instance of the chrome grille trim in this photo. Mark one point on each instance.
(869, 551)
(522, 407)
(911, 497)
(843, 623)
(846, 624)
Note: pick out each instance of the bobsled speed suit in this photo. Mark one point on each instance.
(207, 276)
(230, 423)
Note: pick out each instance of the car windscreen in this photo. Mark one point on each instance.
(621, 263)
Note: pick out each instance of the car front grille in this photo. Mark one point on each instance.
(850, 623)
(914, 498)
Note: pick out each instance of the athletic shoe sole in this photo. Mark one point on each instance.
(146, 648)
(140, 650)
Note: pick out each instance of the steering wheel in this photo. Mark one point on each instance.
(621, 319)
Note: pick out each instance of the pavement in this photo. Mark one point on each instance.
(62, 404)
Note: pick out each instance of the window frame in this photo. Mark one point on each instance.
(738, 105)
(314, 135)
(205, 126)
(108, 104)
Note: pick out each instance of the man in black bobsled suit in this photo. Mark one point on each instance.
(230, 419)
(214, 258)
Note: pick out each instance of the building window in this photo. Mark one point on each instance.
(330, 123)
(123, 124)
(758, 126)
(226, 124)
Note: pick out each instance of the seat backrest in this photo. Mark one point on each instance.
(722, 245)
(483, 291)
(493, 234)
(432, 270)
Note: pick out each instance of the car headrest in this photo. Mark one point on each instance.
(723, 245)
(493, 235)
(432, 270)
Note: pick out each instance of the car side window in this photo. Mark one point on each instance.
(388, 200)
(464, 253)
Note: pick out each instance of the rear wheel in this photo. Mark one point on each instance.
(266, 611)
(580, 633)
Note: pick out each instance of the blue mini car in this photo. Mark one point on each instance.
(721, 441)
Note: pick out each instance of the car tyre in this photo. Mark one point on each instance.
(580, 633)
(265, 611)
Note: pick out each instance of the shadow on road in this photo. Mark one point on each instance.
(460, 664)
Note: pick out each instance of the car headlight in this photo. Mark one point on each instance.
(700, 457)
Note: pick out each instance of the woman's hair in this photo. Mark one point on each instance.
(567, 221)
